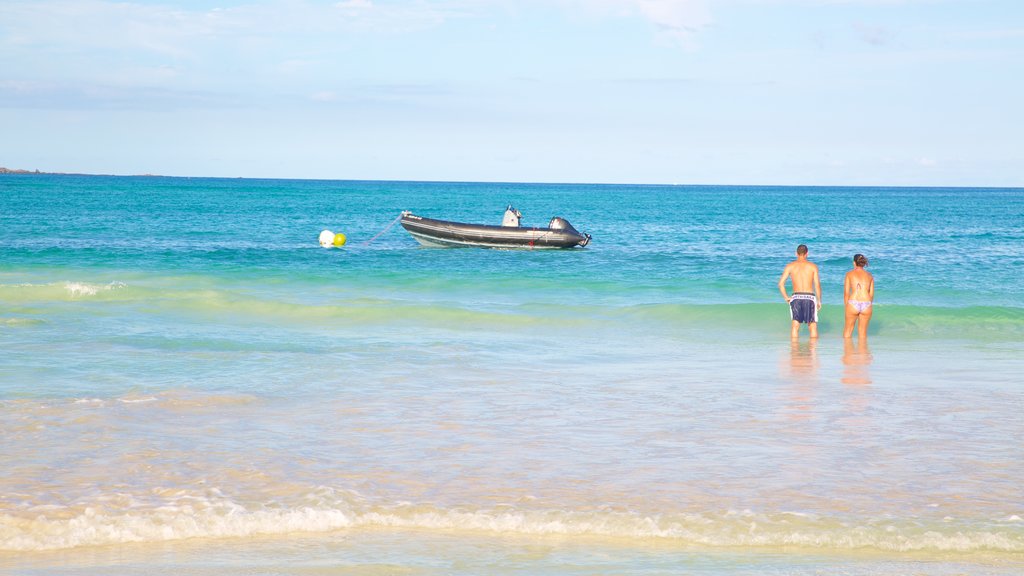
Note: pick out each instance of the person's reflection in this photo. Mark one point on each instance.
(803, 377)
(803, 359)
(856, 359)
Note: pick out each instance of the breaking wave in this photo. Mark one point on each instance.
(227, 305)
(57, 291)
(120, 519)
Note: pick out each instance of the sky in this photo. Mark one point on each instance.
(782, 92)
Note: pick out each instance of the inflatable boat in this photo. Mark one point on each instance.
(443, 233)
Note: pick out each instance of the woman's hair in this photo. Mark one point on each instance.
(860, 260)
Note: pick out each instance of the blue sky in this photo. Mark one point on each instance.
(828, 92)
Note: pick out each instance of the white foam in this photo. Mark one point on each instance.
(137, 400)
(83, 289)
(182, 515)
(79, 289)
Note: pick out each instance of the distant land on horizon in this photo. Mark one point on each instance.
(37, 171)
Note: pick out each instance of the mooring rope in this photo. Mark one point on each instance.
(386, 228)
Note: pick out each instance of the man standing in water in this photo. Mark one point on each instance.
(806, 299)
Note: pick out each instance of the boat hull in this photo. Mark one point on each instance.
(445, 234)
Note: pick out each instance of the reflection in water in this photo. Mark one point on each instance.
(856, 360)
(802, 372)
(803, 360)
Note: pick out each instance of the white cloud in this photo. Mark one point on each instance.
(324, 96)
(77, 45)
(874, 35)
(676, 21)
(169, 31)
(57, 25)
(355, 5)
(90, 96)
(173, 32)
(841, 2)
(993, 34)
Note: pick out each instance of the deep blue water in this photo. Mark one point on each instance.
(698, 244)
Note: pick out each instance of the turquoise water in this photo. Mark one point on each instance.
(188, 380)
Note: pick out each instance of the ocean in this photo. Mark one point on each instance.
(190, 384)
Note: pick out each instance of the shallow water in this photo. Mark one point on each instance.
(188, 381)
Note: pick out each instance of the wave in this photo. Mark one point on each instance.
(120, 519)
(904, 320)
(181, 399)
(58, 291)
(15, 322)
(985, 322)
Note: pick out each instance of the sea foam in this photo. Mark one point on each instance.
(83, 289)
(217, 517)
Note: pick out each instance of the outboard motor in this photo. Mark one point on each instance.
(558, 223)
(511, 217)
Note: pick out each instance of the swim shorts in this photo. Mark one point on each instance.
(803, 307)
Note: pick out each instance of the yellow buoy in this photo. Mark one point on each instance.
(339, 239)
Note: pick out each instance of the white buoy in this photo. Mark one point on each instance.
(327, 239)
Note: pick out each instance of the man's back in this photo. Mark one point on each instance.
(802, 273)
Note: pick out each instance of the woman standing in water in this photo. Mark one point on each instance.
(858, 294)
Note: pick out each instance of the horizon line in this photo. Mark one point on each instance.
(21, 172)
